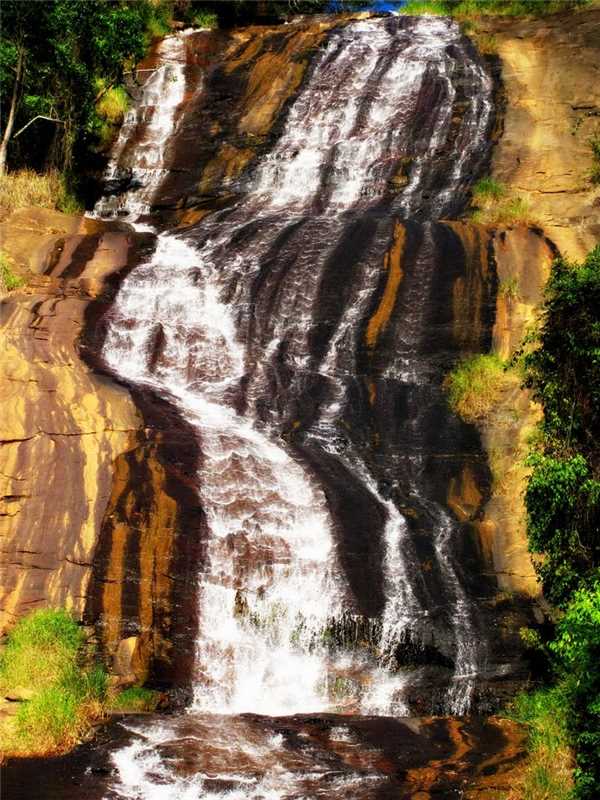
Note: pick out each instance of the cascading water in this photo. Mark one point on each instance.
(243, 324)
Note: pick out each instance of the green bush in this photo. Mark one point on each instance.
(203, 18)
(577, 649)
(472, 9)
(548, 770)
(563, 495)
(40, 649)
(8, 279)
(474, 386)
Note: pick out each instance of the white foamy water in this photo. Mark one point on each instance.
(150, 124)
(269, 584)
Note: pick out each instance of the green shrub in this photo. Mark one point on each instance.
(8, 279)
(49, 722)
(563, 495)
(203, 18)
(474, 386)
(40, 649)
(113, 105)
(509, 288)
(417, 7)
(472, 9)
(137, 698)
(577, 649)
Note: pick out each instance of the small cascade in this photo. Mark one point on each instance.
(137, 166)
(313, 596)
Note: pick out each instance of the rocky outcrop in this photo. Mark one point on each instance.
(78, 454)
(519, 258)
(551, 76)
(62, 426)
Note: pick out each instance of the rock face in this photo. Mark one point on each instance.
(62, 426)
(76, 451)
(551, 76)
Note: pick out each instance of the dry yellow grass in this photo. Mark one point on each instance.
(26, 187)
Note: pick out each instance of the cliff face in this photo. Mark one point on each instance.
(62, 426)
(551, 75)
(76, 453)
(98, 510)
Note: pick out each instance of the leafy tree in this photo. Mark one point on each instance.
(563, 495)
(53, 54)
(577, 648)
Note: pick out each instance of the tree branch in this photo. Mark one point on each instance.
(31, 121)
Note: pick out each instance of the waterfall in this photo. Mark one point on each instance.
(253, 324)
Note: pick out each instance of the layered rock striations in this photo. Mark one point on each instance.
(99, 511)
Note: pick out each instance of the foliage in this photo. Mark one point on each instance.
(494, 207)
(26, 188)
(471, 9)
(203, 18)
(136, 698)
(8, 280)
(67, 46)
(563, 494)
(509, 288)
(488, 189)
(548, 770)
(43, 661)
(475, 385)
(416, 7)
(577, 648)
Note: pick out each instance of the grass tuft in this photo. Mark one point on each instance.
(493, 205)
(29, 188)
(420, 7)
(548, 774)
(474, 386)
(509, 288)
(488, 189)
(113, 105)
(43, 663)
(203, 18)
(474, 9)
(137, 698)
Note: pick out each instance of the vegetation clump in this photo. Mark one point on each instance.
(493, 204)
(26, 187)
(135, 699)
(549, 768)
(8, 279)
(476, 383)
(563, 497)
(44, 665)
(472, 9)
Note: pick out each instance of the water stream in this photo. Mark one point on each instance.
(255, 324)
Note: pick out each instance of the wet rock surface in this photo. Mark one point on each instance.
(321, 756)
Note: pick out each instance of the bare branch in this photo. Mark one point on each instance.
(39, 116)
